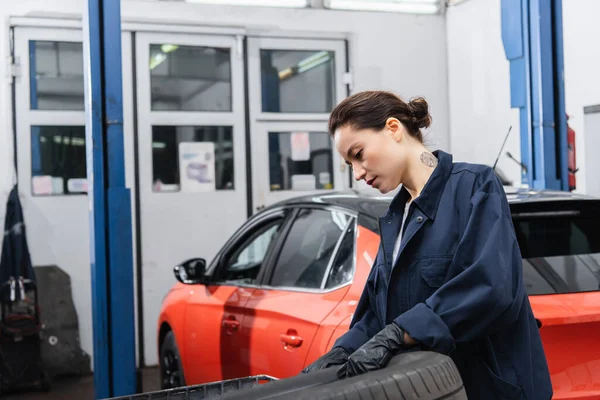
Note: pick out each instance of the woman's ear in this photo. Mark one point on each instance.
(395, 129)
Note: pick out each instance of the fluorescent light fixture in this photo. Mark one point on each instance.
(315, 57)
(406, 6)
(313, 64)
(306, 64)
(286, 73)
(157, 59)
(73, 141)
(262, 3)
(167, 48)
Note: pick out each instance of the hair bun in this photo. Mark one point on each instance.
(420, 113)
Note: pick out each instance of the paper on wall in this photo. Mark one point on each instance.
(41, 184)
(300, 143)
(77, 185)
(304, 182)
(197, 166)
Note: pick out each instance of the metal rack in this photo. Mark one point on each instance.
(204, 391)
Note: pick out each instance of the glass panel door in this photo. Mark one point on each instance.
(294, 84)
(191, 147)
(52, 161)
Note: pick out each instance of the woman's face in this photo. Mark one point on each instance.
(378, 157)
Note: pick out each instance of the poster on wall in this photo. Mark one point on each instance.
(300, 146)
(197, 166)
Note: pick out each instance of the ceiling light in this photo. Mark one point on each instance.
(262, 3)
(407, 6)
(167, 48)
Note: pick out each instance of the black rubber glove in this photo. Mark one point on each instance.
(336, 356)
(376, 353)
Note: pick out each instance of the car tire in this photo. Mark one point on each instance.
(171, 369)
(420, 374)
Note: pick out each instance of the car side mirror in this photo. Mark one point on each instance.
(191, 271)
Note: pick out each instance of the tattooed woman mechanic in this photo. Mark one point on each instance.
(448, 274)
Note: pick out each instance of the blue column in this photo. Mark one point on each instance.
(36, 153)
(561, 112)
(532, 38)
(111, 251)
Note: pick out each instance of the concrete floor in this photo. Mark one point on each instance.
(82, 388)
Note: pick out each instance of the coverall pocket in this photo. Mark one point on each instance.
(503, 390)
(434, 270)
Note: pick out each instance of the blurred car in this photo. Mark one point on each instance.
(284, 287)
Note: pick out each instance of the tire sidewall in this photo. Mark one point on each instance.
(170, 344)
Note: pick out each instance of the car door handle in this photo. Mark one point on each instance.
(231, 324)
(291, 340)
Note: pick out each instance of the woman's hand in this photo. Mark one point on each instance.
(376, 353)
(337, 356)
(408, 341)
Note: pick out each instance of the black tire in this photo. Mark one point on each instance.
(171, 369)
(419, 374)
(422, 375)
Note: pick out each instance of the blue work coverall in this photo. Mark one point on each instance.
(457, 286)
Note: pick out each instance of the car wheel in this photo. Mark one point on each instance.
(171, 370)
(421, 374)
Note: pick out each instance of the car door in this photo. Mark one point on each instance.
(303, 285)
(216, 346)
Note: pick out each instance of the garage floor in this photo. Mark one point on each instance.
(82, 388)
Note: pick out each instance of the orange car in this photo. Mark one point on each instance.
(285, 285)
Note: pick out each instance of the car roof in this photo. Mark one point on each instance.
(375, 205)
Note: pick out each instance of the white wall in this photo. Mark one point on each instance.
(479, 87)
(592, 129)
(582, 77)
(479, 80)
(399, 52)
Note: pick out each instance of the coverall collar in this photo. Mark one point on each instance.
(430, 196)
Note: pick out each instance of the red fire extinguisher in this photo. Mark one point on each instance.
(571, 157)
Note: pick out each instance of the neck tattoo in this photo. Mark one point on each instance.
(429, 159)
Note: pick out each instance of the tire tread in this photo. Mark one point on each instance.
(433, 379)
(429, 378)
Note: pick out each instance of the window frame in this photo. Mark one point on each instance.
(245, 232)
(31, 159)
(551, 207)
(244, 243)
(174, 134)
(276, 251)
(26, 117)
(354, 223)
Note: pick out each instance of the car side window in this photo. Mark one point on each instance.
(306, 253)
(242, 264)
(342, 268)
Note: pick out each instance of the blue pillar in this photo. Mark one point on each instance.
(36, 153)
(532, 38)
(111, 251)
(561, 112)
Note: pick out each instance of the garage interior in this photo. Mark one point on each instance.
(104, 103)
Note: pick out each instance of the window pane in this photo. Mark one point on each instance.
(58, 160)
(561, 254)
(300, 161)
(203, 153)
(297, 81)
(308, 248)
(56, 75)
(190, 78)
(342, 268)
(244, 264)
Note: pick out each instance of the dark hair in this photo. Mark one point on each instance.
(371, 109)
